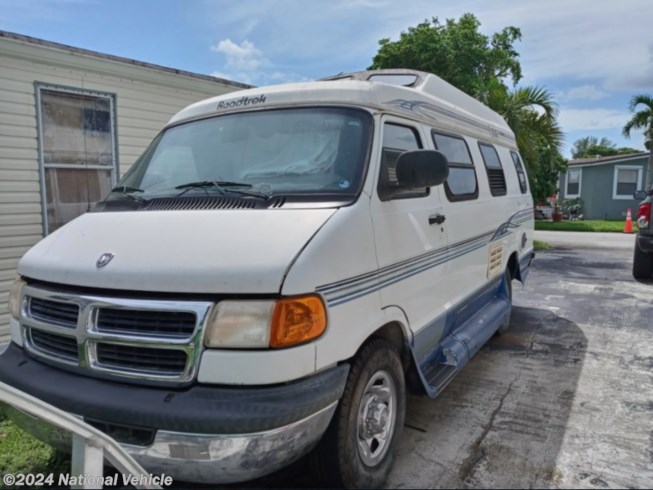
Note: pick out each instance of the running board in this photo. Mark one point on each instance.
(439, 368)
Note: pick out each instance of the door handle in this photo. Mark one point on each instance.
(437, 219)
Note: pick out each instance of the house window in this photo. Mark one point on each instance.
(495, 175)
(574, 178)
(627, 179)
(461, 184)
(77, 151)
(396, 140)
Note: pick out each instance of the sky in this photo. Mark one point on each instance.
(593, 55)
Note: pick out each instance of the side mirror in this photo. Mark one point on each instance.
(640, 195)
(422, 168)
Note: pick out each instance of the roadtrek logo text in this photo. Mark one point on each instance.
(243, 101)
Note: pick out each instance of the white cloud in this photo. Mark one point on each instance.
(243, 57)
(247, 64)
(592, 119)
(597, 41)
(584, 92)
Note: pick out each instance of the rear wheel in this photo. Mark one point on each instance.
(642, 264)
(357, 450)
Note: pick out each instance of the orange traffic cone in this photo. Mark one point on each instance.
(628, 227)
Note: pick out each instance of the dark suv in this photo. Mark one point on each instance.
(643, 259)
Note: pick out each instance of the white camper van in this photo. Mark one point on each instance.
(274, 272)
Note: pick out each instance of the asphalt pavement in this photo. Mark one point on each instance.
(564, 399)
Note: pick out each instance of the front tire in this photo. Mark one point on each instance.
(642, 264)
(357, 450)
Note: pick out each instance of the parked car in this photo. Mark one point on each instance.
(274, 270)
(643, 256)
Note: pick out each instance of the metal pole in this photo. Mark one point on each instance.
(90, 445)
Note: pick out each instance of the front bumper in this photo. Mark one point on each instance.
(199, 434)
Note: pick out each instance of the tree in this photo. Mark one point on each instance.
(642, 119)
(480, 65)
(532, 114)
(455, 51)
(544, 178)
(592, 147)
(581, 145)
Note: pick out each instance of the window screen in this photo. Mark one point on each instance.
(521, 174)
(627, 181)
(76, 135)
(496, 178)
(573, 183)
(396, 140)
(461, 183)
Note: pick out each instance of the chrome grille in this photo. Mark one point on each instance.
(155, 340)
(161, 361)
(174, 324)
(55, 345)
(55, 312)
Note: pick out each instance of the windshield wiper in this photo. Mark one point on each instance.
(128, 191)
(223, 186)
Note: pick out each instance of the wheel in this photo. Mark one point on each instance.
(357, 450)
(507, 277)
(642, 264)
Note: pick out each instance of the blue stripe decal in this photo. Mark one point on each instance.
(355, 287)
(336, 300)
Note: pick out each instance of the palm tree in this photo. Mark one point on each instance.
(532, 114)
(580, 148)
(642, 119)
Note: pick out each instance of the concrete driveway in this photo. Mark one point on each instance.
(564, 399)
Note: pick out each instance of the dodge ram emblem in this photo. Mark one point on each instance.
(104, 259)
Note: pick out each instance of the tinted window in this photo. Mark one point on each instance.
(405, 80)
(495, 175)
(521, 175)
(461, 184)
(396, 140)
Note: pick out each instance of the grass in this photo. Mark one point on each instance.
(21, 453)
(616, 226)
(540, 245)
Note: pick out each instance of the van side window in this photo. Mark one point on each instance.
(396, 140)
(461, 184)
(521, 175)
(494, 170)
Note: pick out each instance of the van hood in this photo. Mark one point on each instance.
(221, 251)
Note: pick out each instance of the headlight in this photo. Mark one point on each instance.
(262, 324)
(238, 324)
(15, 297)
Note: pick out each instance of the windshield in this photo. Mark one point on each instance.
(317, 151)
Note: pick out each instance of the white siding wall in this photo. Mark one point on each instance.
(146, 98)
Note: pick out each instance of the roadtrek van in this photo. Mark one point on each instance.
(272, 275)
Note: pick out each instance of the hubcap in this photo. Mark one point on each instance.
(376, 418)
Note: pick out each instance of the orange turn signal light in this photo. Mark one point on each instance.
(297, 320)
